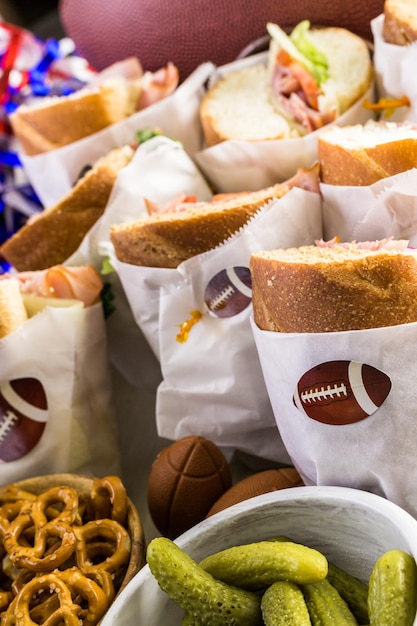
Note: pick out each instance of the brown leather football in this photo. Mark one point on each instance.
(190, 32)
(186, 478)
(257, 484)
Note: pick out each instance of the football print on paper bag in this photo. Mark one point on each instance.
(341, 392)
(229, 292)
(23, 417)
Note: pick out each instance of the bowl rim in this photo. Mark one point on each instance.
(330, 494)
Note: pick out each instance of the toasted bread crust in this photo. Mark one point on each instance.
(347, 157)
(314, 290)
(53, 235)
(168, 239)
(59, 121)
(400, 22)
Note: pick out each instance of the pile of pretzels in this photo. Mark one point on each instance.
(64, 553)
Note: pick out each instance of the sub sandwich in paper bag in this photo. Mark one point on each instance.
(394, 59)
(368, 176)
(158, 158)
(336, 327)
(56, 409)
(260, 115)
(186, 276)
(176, 115)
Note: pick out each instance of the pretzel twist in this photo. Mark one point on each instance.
(66, 553)
(116, 540)
(19, 610)
(109, 499)
(37, 557)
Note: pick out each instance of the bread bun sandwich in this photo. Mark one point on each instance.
(117, 93)
(400, 22)
(334, 286)
(24, 294)
(310, 78)
(51, 236)
(168, 238)
(362, 154)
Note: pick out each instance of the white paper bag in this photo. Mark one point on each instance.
(212, 382)
(250, 165)
(363, 375)
(177, 116)
(394, 73)
(158, 159)
(388, 208)
(56, 407)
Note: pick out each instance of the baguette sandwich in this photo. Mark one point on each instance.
(310, 78)
(361, 155)
(116, 94)
(51, 236)
(24, 294)
(400, 22)
(334, 287)
(168, 238)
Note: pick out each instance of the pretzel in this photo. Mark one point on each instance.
(109, 499)
(9, 511)
(66, 553)
(116, 539)
(12, 493)
(19, 609)
(71, 591)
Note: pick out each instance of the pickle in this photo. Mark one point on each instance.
(255, 566)
(283, 604)
(353, 591)
(207, 601)
(326, 606)
(392, 590)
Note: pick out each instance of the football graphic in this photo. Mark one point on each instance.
(341, 392)
(23, 417)
(229, 292)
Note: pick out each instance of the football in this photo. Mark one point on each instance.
(186, 478)
(255, 485)
(23, 417)
(191, 32)
(229, 292)
(341, 392)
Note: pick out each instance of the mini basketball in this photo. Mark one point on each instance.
(186, 478)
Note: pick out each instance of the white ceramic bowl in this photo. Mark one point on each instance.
(352, 528)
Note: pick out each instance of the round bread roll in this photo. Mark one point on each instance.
(257, 484)
(186, 478)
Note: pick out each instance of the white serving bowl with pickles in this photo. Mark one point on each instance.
(351, 527)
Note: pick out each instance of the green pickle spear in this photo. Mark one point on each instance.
(255, 566)
(207, 601)
(283, 604)
(392, 597)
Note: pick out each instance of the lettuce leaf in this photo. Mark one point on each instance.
(302, 49)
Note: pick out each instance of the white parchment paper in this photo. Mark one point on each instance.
(376, 453)
(65, 350)
(395, 68)
(388, 208)
(212, 382)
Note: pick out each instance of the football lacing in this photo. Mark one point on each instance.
(9, 420)
(324, 393)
